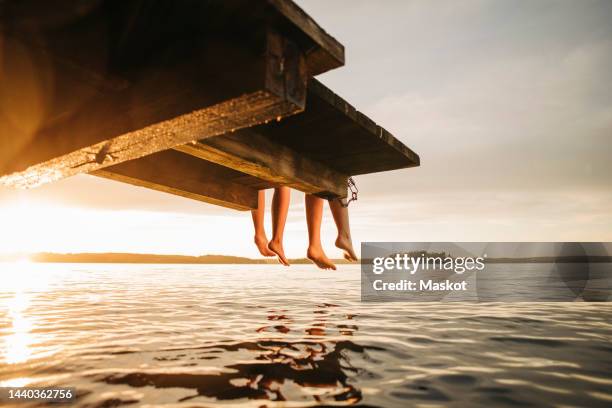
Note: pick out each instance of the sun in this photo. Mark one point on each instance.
(27, 223)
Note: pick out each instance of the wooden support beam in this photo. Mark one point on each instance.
(184, 175)
(220, 87)
(313, 151)
(369, 147)
(332, 132)
(251, 153)
(115, 86)
(324, 52)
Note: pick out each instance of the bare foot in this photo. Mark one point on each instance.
(277, 248)
(316, 255)
(346, 244)
(262, 244)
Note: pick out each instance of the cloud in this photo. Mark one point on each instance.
(492, 96)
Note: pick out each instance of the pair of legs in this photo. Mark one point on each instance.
(280, 208)
(314, 215)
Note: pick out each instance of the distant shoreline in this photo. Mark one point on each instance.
(131, 258)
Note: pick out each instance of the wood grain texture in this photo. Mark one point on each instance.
(254, 154)
(224, 81)
(332, 132)
(184, 175)
(326, 52)
(165, 108)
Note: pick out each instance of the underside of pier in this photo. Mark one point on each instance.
(210, 100)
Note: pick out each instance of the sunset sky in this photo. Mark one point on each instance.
(510, 109)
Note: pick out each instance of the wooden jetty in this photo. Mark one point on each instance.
(207, 99)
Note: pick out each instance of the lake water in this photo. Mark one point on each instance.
(264, 335)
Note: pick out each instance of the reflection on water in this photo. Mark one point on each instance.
(276, 370)
(258, 335)
(16, 344)
(18, 334)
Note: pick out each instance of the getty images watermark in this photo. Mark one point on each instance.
(481, 271)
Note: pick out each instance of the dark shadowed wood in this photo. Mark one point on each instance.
(224, 83)
(158, 73)
(251, 153)
(326, 52)
(163, 108)
(333, 133)
(313, 151)
(181, 174)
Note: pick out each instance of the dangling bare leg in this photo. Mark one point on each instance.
(341, 218)
(314, 214)
(280, 208)
(261, 241)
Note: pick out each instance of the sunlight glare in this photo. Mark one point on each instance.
(25, 280)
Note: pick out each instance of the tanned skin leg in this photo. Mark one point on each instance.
(280, 208)
(261, 241)
(314, 215)
(341, 218)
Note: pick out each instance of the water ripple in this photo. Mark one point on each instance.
(188, 336)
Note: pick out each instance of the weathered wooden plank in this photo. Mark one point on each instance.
(184, 175)
(332, 132)
(329, 128)
(127, 31)
(251, 153)
(133, 78)
(326, 52)
(163, 108)
(288, 153)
